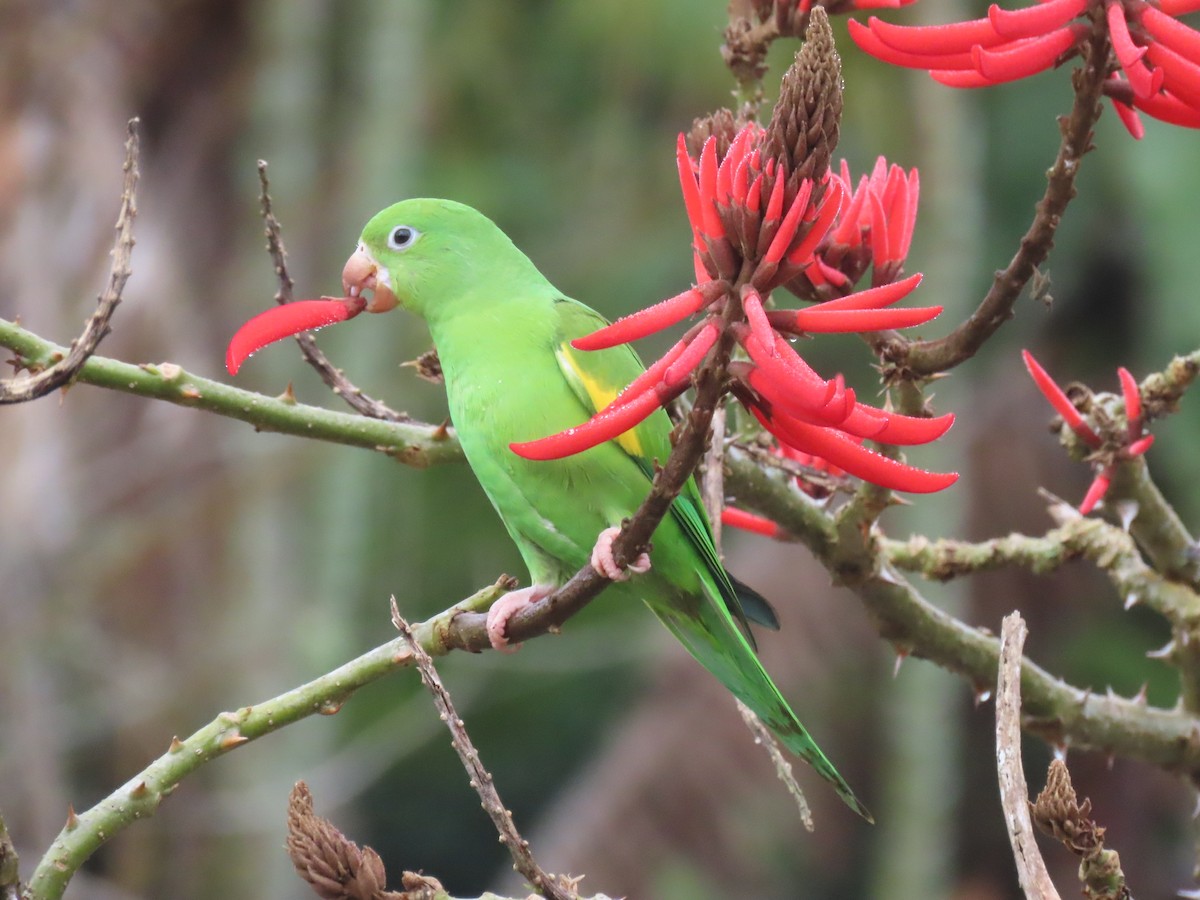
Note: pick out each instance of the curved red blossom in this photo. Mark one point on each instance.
(850, 455)
(1060, 401)
(286, 320)
(747, 521)
(611, 422)
(1133, 401)
(1096, 491)
(1133, 443)
(863, 311)
(652, 319)
(749, 213)
(874, 229)
(655, 387)
(1158, 56)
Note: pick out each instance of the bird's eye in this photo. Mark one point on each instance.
(402, 237)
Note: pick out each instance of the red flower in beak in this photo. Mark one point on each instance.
(363, 285)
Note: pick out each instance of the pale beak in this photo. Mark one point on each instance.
(361, 274)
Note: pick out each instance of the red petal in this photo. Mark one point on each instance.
(1172, 34)
(789, 379)
(286, 320)
(1024, 58)
(1143, 81)
(739, 518)
(868, 41)
(872, 298)
(831, 205)
(1182, 77)
(1097, 490)
(775, 203)
(713, 227)
(611, 422)
(677, 373)
(1061, 403)
(1034, 20)
(843, 321)
(1127, 114)
(966, 78)
(754, 195)
(646, 321)
(690, 190)
(741, 183)
(848, 231)
(886, 427)
(1170, 109)
(957, 37)
(787, 229)
(759, 326)
(879, 233)
(1133, 398)
(856, 459)
(1179, 7)
(900, 429)
(1140, 446)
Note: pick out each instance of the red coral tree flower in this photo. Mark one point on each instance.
(743, 207)
(1157, 57)
(1134, 442)
(874, 230)
(761, 203)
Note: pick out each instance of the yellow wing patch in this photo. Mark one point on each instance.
(598, 395)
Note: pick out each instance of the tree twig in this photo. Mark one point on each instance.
(1014, 793)
(556, 887)
(58, 372)
(783, 767)
(333, 377)
(924, 358)
(414, 443)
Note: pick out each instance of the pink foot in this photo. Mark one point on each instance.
(505, 608)
(603, 562)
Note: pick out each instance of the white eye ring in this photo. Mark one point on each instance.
(402, 237)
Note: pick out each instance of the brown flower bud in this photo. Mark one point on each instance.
(721, 124)
(803, 131)
(329, 861)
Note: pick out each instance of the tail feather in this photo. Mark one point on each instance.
(709, 633)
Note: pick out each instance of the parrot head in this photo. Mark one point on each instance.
(423, 255)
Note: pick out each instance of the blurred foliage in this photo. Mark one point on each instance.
(157, 566)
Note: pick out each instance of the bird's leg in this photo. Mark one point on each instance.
(603, 562)
(506, 607)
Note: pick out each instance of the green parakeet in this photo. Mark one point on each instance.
(503, 334)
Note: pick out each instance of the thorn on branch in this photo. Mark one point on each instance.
(23, 388)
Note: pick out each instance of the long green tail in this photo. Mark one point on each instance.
(710, 634)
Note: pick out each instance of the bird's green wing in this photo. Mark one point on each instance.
(716, 633)
(597, 378)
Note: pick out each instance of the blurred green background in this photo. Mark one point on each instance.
(158, 565)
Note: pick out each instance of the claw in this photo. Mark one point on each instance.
(603, 562)
(507, 607)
